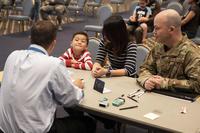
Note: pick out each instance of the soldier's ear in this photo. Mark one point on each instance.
(171, 28)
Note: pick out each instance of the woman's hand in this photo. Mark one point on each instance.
(98, 71)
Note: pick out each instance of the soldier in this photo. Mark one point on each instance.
(175, 62)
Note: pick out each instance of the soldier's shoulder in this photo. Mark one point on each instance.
(151, 43)
(191, 46)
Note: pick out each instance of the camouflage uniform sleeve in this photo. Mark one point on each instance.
(192, 71)
(147, 69)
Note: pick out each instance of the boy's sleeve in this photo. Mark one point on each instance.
(87, 63)
(149, 12)
(66, 58)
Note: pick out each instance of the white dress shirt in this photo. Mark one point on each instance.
(32, 86)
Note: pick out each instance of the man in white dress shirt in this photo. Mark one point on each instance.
(34, 83)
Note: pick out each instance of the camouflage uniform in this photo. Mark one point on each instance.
(150, 43)
(180, 66)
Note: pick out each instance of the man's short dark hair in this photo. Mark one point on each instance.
(43, 33)
(81, 33)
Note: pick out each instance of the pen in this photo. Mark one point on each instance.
(131, 94)
(132, 99)
(131, 107)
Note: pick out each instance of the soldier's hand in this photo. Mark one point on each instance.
(161, 82)
(149, 84)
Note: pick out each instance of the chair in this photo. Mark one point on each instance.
(62, 14)
(93, 46)
(103, 13)
(118, 3)
(5, 6)
(131, 9)
(160, 1)
(27, 6)
(93, 5)
(76, 7)
(176, 6)
(185, 7)
(197, 37)
(142, 53)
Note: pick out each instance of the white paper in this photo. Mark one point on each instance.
(105, 90)
(151, 116)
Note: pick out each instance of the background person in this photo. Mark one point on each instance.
(155, 7)
(137, 24)
(50, 6)
(190, 21)
(174, 63)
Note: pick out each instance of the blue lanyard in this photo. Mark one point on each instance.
(36, 49)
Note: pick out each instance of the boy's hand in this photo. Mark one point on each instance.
(132, 19)
(79, 83)
(74, 62)
(143, 19)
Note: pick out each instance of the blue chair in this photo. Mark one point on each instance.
(76, 7)
(142, 53)
(93, 46)
(117, 3)
(131, 9)
(93, 4)
(197, 37)
(103, 13)
(176, 6)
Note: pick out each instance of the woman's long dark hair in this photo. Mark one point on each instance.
(115, 31)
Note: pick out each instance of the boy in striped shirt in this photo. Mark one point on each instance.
(78, 56)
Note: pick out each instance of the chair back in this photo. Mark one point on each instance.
(132, 7)
(103, 13)
(27, 7)
(198, 32)
(81, 3)
(185, 7)
(67, 2)
(117, 1)
(176, 6)
(93, 46)
(160, 2)
(98, 1)
(142, 53)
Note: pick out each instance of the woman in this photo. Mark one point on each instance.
(121, 54)
(190, 21)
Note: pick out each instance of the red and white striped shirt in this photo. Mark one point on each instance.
(84, 61)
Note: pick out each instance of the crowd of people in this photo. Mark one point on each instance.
(34, 82)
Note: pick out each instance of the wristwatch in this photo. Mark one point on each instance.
(108, 74)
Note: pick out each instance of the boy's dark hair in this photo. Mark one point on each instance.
(43, 33)
(114, 29)
(81, 33)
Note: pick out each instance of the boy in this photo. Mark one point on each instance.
(139, 18)
(78, 56)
